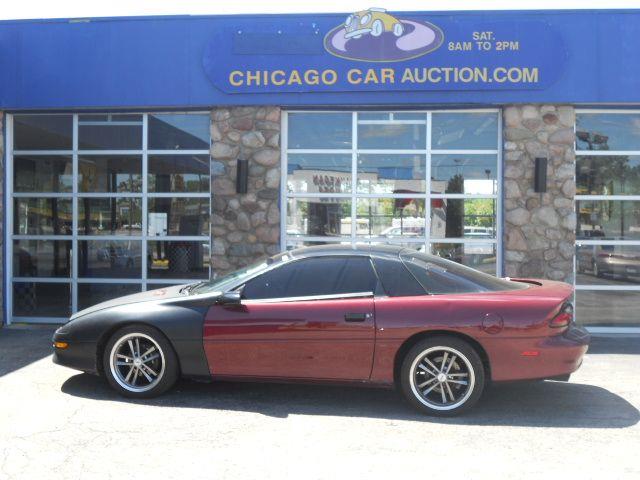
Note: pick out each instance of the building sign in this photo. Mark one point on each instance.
(373, 50)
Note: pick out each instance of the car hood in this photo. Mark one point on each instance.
(160, 294)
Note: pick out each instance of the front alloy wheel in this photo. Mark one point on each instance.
(139, 362)
(442, 376)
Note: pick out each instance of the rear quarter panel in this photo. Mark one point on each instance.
(503, 323)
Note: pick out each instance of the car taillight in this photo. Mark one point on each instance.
(564, 318)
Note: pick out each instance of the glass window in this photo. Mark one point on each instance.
(42, 258)
(178, 259)
(109, 216)
(42, 216)
(178, 216)
(42, 173)
(611, 308)
(481, 256)
(112, 174)
(608, 265)
(391, 173)
(608, 175)
(179, 132)
(440, 276)
(608, 131)
(464, 131)
(314, 277)
(392, 136)
(452, 189)
(396, 280)
(40, 299)
(179, 173)
(463, 218)
(464, 173)
(43, 132)
(324, 217)
(391, 217)
(90, 294)
(121, 133)
(109, 258)
(319, 130)
(608, 219)
(319, 173)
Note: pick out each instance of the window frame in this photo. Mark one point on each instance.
(287, 241)
(585, 242)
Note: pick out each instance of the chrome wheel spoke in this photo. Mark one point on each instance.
(444, 362)
(151, 358)
(146, 375)
(133, 350)
(446, 384)
(453, 359)
(429, 389)
(149, 351)
(424, 384)
(444, 395)
(131, 370)
(458, 374)
(126, 357)
(422, 367)
(148, 369)
(430, 363)
(458, 382)
(123, 364)
(137, 346)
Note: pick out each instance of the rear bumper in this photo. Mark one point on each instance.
(544, 357)
(78, 355)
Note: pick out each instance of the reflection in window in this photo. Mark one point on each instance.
(608, 175)
(112, 174)
(613, 308)
(178, 216)
(319, 217)
(319, 130)
(178, 173)
(178, 259)
(463, 218)
(109, 216)
(90, 294)
(481, 256)
(608, 131)
(608, 264)
(319, 173)
(119, 132)
(42, 216)
(179, 132)
(41, 258)
(608, 219)
(41, 299)
(109, 258)
(466, 131)
(391, 173)
(470, 174)
(392, 136)
(42, 173)
(391, 217)
(42, 132)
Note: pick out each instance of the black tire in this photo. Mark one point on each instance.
(459, 398)
(165, 365)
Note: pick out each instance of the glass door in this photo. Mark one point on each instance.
(104, 205)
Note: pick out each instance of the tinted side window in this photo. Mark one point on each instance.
(396, 280)
(313, 277)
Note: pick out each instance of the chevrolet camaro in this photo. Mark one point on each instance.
(366, 315)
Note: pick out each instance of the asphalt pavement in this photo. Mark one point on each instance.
(58, 423)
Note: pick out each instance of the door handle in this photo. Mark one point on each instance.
(356, 317)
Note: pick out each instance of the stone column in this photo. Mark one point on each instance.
(245, 227)
(539, 228)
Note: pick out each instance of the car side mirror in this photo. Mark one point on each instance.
(230, 298)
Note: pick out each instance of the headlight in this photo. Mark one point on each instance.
(364, 20)
(348, 21)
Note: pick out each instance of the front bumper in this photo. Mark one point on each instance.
(356, 33)
(556, 356)
(78, 355)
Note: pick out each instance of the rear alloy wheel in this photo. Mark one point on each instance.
(139, 362)
(442, 376)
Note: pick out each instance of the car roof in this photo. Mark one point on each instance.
(338, 249)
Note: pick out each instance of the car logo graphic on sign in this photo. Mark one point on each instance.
(376, 36)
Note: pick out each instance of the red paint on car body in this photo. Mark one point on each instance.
(311, 340)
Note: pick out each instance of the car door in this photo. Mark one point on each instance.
(308, 318)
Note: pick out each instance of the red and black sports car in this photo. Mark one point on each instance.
(361, 315)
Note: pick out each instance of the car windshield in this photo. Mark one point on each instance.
(439, 276)
(223, 283)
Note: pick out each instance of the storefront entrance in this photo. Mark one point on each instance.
(103, 205)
